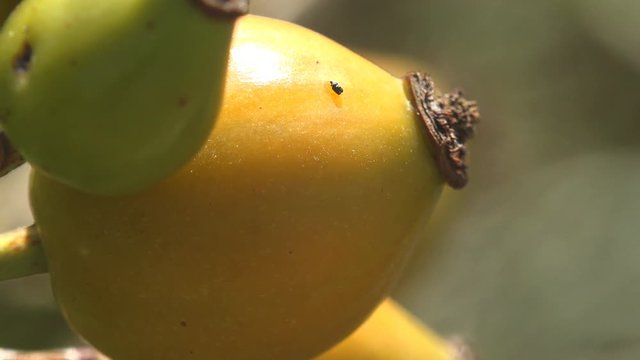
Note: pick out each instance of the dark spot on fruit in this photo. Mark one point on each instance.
(336, 87)
(290, 252)
(183, 102)
(22, 60)
(317, 62)
(183, 323)
(150, 25)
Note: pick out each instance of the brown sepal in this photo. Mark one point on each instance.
(450, 120)
(224, 8)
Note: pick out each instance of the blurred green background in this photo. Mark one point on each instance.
(539, 257)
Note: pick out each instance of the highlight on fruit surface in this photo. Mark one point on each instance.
(110, 96)
(284, 232)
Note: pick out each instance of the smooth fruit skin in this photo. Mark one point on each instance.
(110, 96)
(282, 234)
(391, 333)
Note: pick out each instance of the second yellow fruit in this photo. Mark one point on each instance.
(391, 333)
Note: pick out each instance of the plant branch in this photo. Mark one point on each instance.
(461, 352)
(60, 354)
(21, 253)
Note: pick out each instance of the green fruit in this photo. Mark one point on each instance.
(110, 96)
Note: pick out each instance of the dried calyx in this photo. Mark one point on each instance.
(224, 8)
(450, 120)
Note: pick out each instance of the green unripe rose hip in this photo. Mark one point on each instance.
(109, 96)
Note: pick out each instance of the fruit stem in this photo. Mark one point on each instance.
(10, 158)
(21, 253)
(60, 354)
(460, 352)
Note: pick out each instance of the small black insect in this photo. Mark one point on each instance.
(336, 87)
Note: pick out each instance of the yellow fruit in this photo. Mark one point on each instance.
(282, 234)
(391, 333)
(110, 96)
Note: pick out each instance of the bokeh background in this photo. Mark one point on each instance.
(539, 257)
